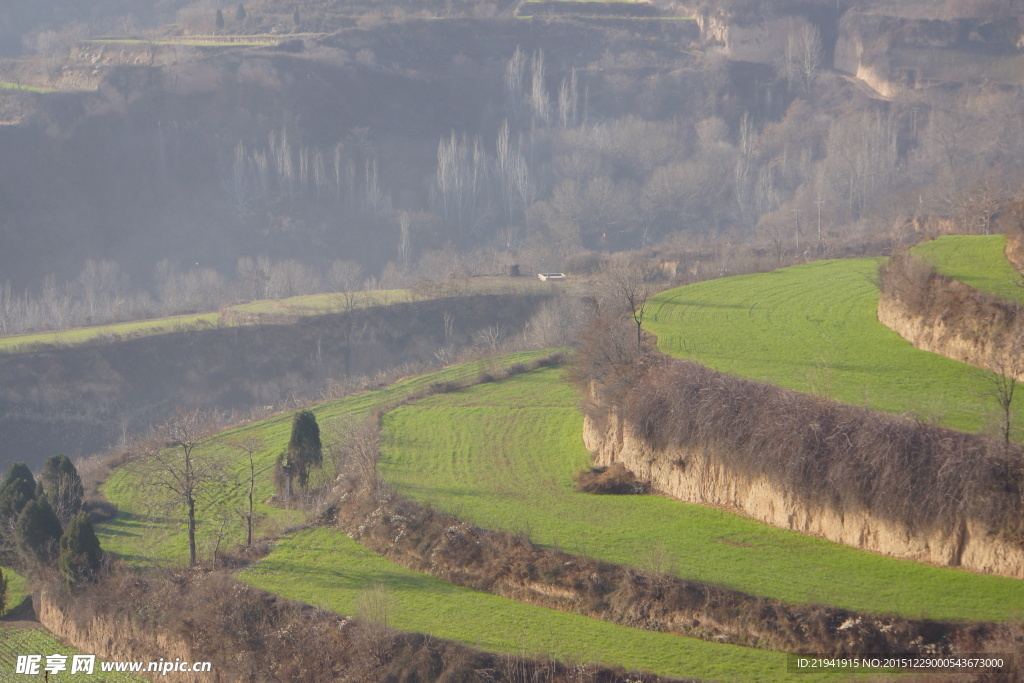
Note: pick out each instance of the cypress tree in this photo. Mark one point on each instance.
(304, 448)
(240, 13)
(220, 20)
(37, 532)
(80, 551)
(18, 489)
(19, 478)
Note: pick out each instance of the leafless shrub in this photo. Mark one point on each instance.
(849, 458)
(615, 479)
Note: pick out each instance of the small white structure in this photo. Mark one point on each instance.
(546, 277)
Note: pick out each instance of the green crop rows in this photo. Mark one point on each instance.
(325, 568)
(975, 260)
(503, 455)
(814, 328)
(27, 641)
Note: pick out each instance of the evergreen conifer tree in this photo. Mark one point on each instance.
(37, 532)
(80, 552)
(304, 448)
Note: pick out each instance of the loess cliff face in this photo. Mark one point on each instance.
(945, 316)
(952, 339)
(695, 475)
(111, 638)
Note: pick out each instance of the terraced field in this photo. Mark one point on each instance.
(503, 455)
(813, 328)
(143, 533)
(975, 260)
(24, 641)
(324, 567)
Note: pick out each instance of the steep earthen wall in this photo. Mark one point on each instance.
(953, 340)
(945, 316)
(117, 639)
(695, 475)
(1015, 250)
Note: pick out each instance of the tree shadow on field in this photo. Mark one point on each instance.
(131, 524)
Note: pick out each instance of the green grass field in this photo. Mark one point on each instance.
(317, 304)
(81, 335)
(144, 533)
(6, 85)
(29, 641)
(325, 568)
(975, 260)
(17, 589)
(502, 455)
(814, 328)
(310, 304)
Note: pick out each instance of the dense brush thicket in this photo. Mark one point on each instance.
(962, 310)
(843, 456)
(847, 457)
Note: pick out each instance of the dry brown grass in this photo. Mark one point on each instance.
(614, 480)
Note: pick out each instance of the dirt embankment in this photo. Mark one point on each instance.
(1015, 250)
(939, 314)
(113, 637)
(250, 635)
(872, 481)
(695, 475)
(511, 566)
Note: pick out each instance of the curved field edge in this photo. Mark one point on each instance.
(146, 533)
(503, 455)
(978, 261)
(814, 328)
(325, 568)
(31, 641)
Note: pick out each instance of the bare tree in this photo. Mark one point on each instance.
(540, 101)
(1001, 378)
(515, 70)
(355, 448)
(629, 283)
(809, 55)
(250, 446)
(179, 473)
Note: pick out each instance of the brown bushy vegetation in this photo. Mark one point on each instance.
(614, 479)
(508, 564)
(249, 634)
(963, 310)
(845, 457)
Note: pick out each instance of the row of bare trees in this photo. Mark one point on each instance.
(102, 292)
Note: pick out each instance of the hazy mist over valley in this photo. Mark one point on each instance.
(269, 279)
